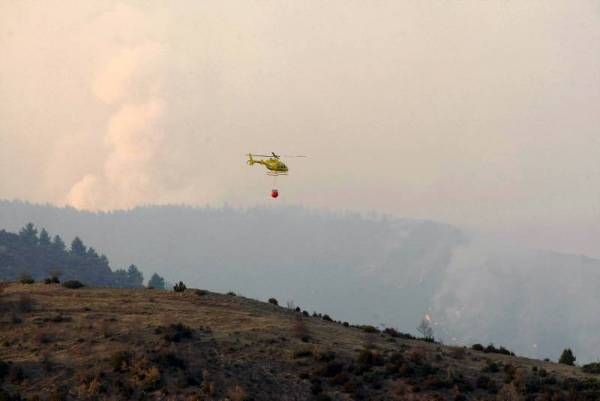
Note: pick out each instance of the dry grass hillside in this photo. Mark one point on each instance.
(109, 344)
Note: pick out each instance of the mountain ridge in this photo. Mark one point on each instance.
(375, 270)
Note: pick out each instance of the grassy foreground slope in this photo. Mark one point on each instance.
(113, 344)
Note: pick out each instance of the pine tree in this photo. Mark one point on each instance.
(29, 234)
(157, 282)
(58, 244)
(92, 254)
(567, 357)
(120, 276)
(44, 238)
(134, 276)
(77, 247)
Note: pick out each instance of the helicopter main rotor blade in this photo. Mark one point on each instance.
(293, 156)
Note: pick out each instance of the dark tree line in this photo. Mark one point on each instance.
(38, 254)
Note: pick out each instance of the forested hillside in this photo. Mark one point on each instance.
(374, 270)
(38, 255)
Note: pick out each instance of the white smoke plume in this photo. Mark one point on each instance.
(130, 83)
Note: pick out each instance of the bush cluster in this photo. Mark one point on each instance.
(179, 287)
(175, 333)
(26, 279)
(73, 284)
(491, 349)
(396, 334)
(52, 280)
(593, 368)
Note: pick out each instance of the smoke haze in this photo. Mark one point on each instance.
(481, 114)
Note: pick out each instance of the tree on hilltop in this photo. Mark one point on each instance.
(157, 282)
(567, 357)
(135, 277)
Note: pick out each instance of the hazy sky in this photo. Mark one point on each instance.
(484, 114)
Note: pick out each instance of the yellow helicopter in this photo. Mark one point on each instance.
(273, 163)
(274, 166)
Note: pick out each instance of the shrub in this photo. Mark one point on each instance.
(417, 354)
(436, 383)
(179, 287)
(119, 361)
(4, 369)
(533, 384)
(16, 374)
(567, 357)
(231, 294)
(510, 373)
(591, 368)
(327, 318)
(477, 347)
(273, 301)
(73, 284)
(237, 394)
(504, 351)
(25, 303)
(201, 293)
(425, 369)
(175, 332)
(391, 332)
(369, 358)
(47, 362)
(316, 387)
(169, 360)
(458, 352)
(484, 382)
(493, 350)
(15, 319)
(53, 279)
(26, 279)
(491, 367)
(369, 329)
(300, 330)
(147, 379)
(325, 356)
(302, 353)
(331, 369)
(340, 379)
(42, 338)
